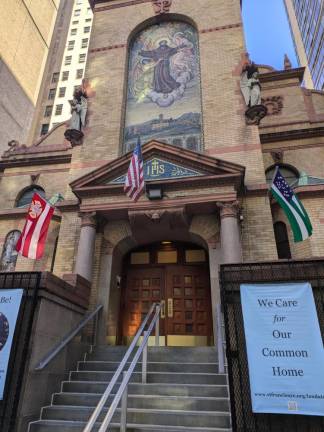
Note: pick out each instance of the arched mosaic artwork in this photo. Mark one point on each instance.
(9, 253)
(163, 93)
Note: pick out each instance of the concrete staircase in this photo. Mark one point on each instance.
(185, 392)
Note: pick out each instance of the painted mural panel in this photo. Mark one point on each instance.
(9, 254)
(163, 98)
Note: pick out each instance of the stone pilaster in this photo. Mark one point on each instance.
(84, 260)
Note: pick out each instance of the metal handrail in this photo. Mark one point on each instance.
(67, 338)
(122, 391)
(220, 341)
(120, 368)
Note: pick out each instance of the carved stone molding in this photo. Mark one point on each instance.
(154, 215)
(255, 114)
(161, 6)
(274, 104)
(277, 156)
(88, 219)
(228, 209)
(174, 218)
(34, 178)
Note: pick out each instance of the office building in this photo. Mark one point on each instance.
(306, 19)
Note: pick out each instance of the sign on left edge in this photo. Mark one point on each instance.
(10, 301)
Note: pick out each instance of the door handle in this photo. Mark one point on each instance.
(170, 307)
(162, 309)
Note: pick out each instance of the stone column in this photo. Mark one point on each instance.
(104, 285)
(230, 232)
(86, 248)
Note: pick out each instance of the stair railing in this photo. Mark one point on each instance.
(94, 315)
(220, 339)
(122, 392)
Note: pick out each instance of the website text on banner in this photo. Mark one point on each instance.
(284, 348)
(9, 307)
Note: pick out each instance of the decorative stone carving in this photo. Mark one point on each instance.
(13, 145)
(155, 215)
(277, 156)
(79, 107)
(34, 178)
(274, 104)
(88, 219)
(228, 209)
(255, 114)
(161, 6)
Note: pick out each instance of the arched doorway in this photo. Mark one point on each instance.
(177, 275)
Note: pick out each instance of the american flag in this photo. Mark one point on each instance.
(134, 183)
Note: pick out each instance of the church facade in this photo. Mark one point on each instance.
(169, 72)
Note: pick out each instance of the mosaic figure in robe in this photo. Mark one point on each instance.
(163, 82)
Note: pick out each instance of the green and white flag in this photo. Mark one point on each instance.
(298, 218)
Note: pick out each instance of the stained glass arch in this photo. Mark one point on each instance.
(163, 87)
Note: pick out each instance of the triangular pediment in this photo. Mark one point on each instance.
(162, 163)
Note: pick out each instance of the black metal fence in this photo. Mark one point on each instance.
(231, 276)
(29, 282)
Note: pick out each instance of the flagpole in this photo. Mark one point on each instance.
(139, 141)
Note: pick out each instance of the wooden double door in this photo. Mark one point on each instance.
(184, 293)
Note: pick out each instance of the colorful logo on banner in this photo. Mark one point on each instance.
(9, 307)
(284, 347)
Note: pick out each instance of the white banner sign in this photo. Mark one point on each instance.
(284, 347)
(9, 307)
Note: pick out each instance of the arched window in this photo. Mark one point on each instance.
(289, 172)
(25, 197)
(9, 254)
(163, 85)
(282, 241)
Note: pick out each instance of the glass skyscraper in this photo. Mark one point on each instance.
(306, 18)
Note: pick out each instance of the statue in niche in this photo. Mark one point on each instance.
(9, 253)
(79, 107)
(251, 90)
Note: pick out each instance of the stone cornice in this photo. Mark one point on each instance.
(168, 184)
(29, 160)
(127, 205)
(291, 134)
(282, 75)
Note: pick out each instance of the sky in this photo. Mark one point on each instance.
(267, 32)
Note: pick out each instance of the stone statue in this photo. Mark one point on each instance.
(79, 106)
(250, 85)
(251, 90)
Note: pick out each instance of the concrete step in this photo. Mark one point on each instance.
(159, 354)
(143, 416)
(168, 402)
(149, 389)
(68, 426)
(100, 365)
(154, 377)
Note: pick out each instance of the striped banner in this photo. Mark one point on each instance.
(31, 243)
